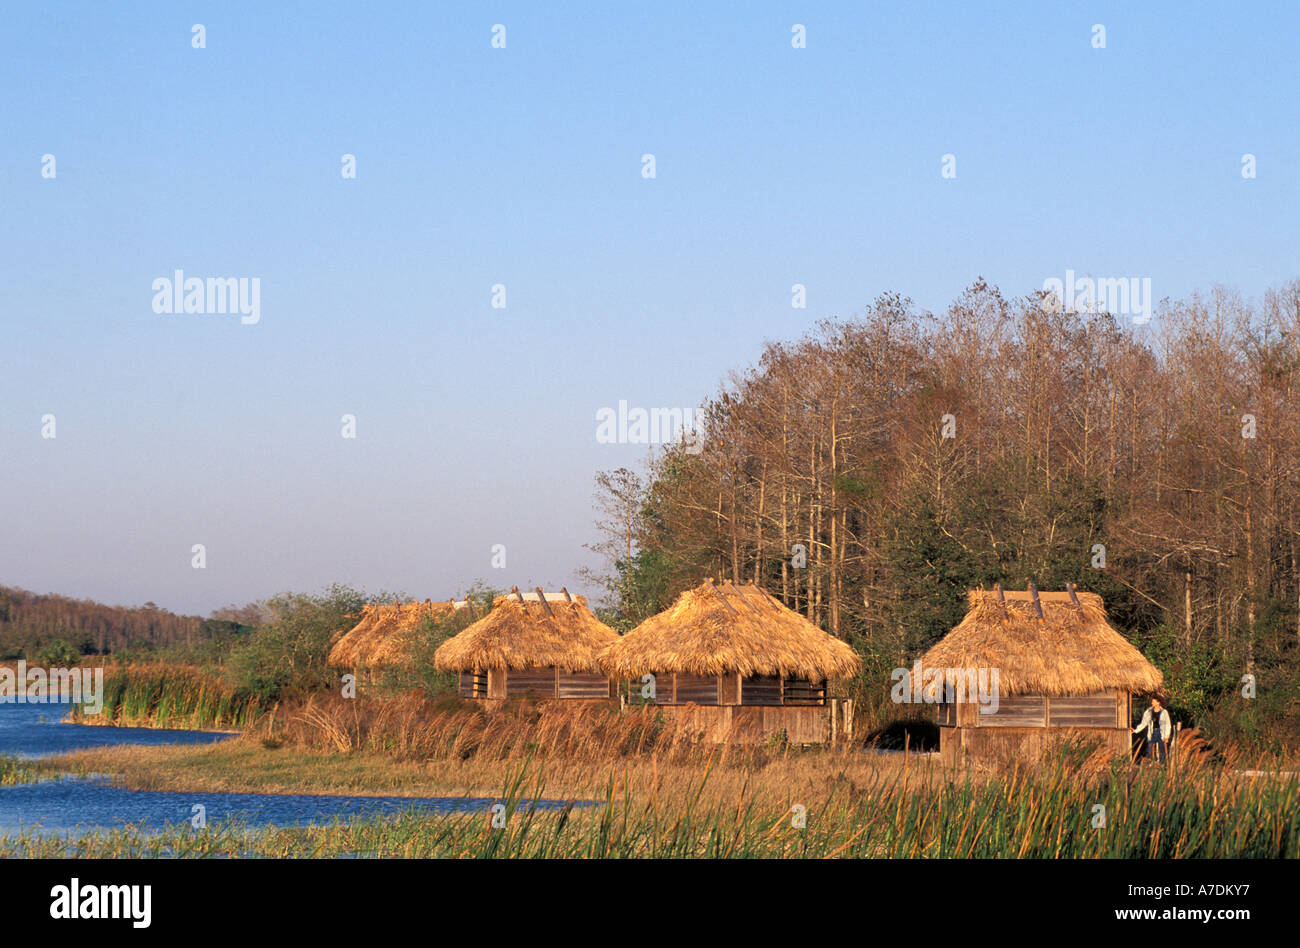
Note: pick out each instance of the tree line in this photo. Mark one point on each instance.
(873, 471)
(29, 621)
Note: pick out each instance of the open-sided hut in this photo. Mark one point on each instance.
(543, 644)
(738, 665)
(1062, 672)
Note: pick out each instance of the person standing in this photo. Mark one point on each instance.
(1158, 727)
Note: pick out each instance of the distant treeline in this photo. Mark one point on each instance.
(31, 621)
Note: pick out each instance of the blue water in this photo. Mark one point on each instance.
(33, 730)
(72, 802)
(77, 803)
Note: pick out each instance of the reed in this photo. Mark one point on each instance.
(170, 696)
(415, 727)
(13, 771)
(1156, 813)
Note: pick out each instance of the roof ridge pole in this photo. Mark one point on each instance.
(1074, 597)
(541, 597)
(723, 597)
(743, 598)
(1002, 598)
(1038, 606)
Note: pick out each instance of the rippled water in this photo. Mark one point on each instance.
(74, 803)
(33, 730)
(71, 803)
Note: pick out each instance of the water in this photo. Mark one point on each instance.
(33, 730)
(73, 804)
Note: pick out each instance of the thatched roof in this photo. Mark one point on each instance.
(345, 651)
(563, 633)
(724, 630)
(1071, 650)
(382, 637)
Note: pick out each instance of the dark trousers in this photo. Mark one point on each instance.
(1156, 748)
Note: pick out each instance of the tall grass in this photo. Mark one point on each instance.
(13, 771)
(1157, 813)
(170, 696)
(414, 727)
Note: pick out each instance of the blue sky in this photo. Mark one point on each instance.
(522, 166)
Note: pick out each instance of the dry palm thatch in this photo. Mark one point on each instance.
(726, 630)
(346, 650)
(395, 648)
(540, 633)
(1071, 650)
(382, 637)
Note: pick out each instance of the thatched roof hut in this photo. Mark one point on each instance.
(738, 665)
(543, 643)
(349, 650)
(723, 629)
(382, 637)
(1034, 665)
(1070, 649)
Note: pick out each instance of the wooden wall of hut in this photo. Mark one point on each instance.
(1025, 726)
(755, 724)
(729, 690)
(543, 683)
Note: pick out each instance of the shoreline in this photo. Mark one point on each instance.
(99, 721)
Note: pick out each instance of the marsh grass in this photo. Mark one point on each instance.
(14, 771)
(170, 696)
(661, 792)
(1157, 813)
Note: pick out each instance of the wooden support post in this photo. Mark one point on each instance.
(1074, 598)
(1002, 598)
(565, 593)
(545, 605)
(1038, 606)
(518, 594)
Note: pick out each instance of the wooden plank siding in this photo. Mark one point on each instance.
(753, 724)
(801, 691)
(581, 685)
(1015, 711)
(761, 689)
(473, 684)
(695, 689)
(729, 689)
(1082, 711)
(538, 681)
(947, 715)
(1027, 726)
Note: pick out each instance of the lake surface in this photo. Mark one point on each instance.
(33, 730)
(73, 803)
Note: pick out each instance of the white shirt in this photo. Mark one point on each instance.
(1166, 727)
